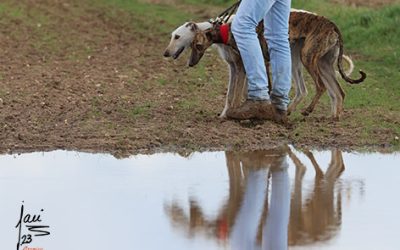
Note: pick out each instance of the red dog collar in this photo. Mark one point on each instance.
(224, 29)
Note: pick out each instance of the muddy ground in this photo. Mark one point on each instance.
(82, 77)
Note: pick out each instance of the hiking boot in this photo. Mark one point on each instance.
(281, 117)
(252, 109)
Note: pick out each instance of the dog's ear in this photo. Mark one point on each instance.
(193, 26)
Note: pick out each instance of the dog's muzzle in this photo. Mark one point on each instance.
(176, 55)
(166, 54)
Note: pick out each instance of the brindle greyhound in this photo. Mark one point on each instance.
(315, 41)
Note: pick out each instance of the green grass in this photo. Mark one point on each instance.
(11, 11)
(210, 2)
(139, 111)
(188, 104)
(153, 17)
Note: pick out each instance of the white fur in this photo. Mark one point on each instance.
(185, 35)
(302, 11)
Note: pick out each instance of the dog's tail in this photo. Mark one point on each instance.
(350, 63)
(350, 67)
(340, 66)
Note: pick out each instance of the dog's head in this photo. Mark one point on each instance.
(180, 39)
(201, 42)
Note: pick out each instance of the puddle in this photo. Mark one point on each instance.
(222, 200)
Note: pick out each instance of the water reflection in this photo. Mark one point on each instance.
(262, 210)
(274, 199)
(319, 217)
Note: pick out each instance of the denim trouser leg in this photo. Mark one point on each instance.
(276, 23)
(276, 16)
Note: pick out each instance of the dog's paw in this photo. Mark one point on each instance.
(334, 118)
(222, 116)
(305, 112)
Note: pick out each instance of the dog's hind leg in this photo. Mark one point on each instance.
(297, 75)
(310, 57)
(319, 88)
(328, 76)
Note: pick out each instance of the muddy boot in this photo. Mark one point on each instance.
(280, 117)
(251, 109)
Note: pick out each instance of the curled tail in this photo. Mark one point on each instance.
(350, 63)
(340, 66)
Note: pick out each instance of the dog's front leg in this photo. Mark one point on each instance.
(229, 94)
(240, 90)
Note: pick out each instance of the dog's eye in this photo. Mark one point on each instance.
(199, 46)
(177, 37)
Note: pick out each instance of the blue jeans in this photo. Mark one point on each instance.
(276, 22)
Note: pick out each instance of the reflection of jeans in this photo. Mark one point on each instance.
(275, 229)
(276, 22)
(244, 231)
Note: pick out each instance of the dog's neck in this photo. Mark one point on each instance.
(204, 25)
(219, 33)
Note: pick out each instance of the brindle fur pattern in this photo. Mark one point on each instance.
(316, 42)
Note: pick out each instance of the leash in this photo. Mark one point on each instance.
(226, 14)
(221, 21)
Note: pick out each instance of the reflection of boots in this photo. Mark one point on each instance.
(252, 109)
(258, 159)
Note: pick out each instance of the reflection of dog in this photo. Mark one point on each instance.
(318, 216)
(249, 207)
(315, 41)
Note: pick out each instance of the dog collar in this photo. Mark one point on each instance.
(224, 29)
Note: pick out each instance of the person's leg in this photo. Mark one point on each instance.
(276, 25)
(249, 14)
